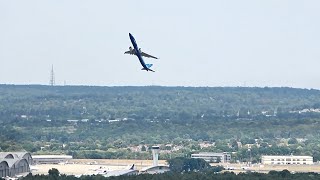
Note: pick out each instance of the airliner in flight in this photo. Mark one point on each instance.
(137, 51)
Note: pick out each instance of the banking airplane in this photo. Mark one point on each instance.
(137, 51)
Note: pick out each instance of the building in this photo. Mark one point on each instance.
(285, 160)
(50, 159)
(14, 163)
(213, 157)
(155, 169)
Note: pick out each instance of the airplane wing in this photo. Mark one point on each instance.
(147, 55)
(129, 52)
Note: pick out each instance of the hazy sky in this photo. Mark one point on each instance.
(200, 43)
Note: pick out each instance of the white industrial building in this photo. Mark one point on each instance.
(213, 157)
(14, 163)
(50, 159)
(155, 169)
(285, 160)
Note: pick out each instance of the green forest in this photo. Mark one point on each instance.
(113, 122)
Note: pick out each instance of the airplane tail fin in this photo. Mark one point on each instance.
(132, 167)
(148, 68)
(149, 65)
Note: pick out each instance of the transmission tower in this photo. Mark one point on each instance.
(52, 79)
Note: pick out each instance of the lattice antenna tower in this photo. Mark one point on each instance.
(52, 78)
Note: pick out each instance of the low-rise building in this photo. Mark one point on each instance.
(155, 169)
(285, 160)
(50, 159)
(213, 157)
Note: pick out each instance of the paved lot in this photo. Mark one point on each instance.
(89, 166)
(237, 168)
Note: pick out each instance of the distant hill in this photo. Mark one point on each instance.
(113, 122)
(82, 102)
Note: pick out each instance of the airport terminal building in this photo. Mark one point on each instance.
(14, 163)
(285, 160)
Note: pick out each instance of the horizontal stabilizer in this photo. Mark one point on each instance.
(149, 65)
(148, 69)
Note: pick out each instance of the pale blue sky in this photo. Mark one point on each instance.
(200, 43)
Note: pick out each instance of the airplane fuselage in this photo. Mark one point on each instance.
(137, 52)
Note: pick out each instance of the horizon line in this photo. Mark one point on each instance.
(85, 85)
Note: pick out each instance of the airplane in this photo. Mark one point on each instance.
(107, 173)
(137, 51)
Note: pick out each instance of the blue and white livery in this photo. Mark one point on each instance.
(137, 51)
